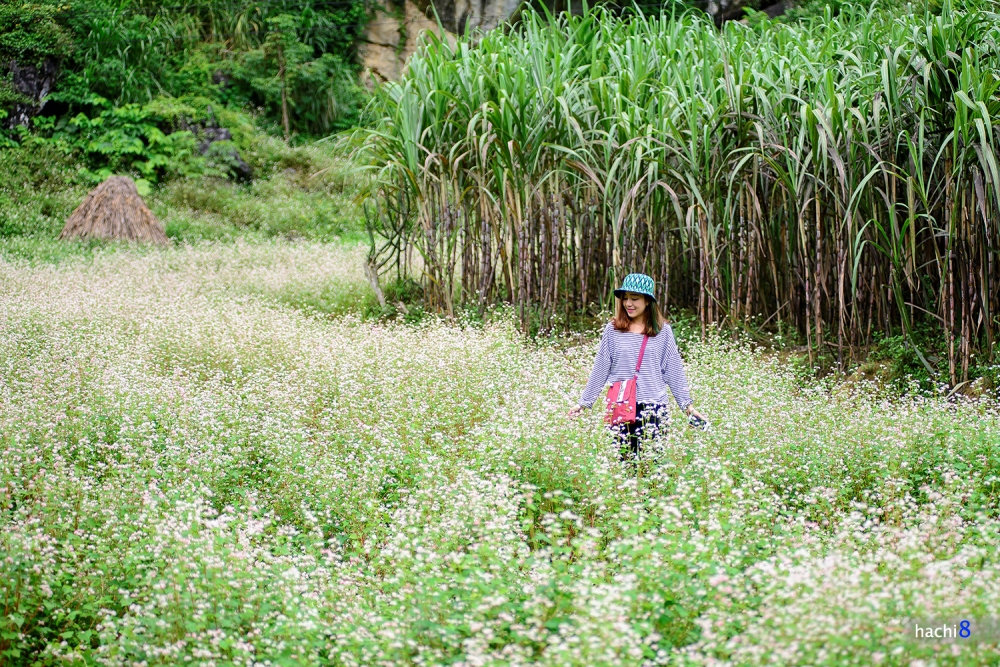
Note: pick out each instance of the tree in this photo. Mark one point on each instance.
(310, 92)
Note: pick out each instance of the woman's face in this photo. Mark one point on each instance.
(635, 304)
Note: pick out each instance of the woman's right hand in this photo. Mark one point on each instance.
(576, 412)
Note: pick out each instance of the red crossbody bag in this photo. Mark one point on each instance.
(621, 395)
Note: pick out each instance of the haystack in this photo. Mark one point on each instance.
(114, 210)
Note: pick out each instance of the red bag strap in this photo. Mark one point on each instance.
(642, 349)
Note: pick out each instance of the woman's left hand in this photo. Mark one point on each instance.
(691, 412)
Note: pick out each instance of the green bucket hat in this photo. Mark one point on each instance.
(637, 283)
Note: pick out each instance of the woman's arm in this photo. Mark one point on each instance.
(673, 371)
(599, 374)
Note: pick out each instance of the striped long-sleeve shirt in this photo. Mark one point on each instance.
(661, 367)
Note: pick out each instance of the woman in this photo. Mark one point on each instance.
(637, 316)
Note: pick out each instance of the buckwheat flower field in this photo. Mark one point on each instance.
(194, 472)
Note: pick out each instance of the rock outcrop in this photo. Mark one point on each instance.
(34, 83)
(223, 156)
(460, 16)
(392, 37)
(390, 40)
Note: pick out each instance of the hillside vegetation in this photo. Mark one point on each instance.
(100, 55)
(215, 108)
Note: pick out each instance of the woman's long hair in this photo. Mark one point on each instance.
(654, 318)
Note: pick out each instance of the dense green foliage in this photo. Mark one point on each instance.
(836, 176)
(138, 86)
(129, 138)
(30, 33)
(134, 51)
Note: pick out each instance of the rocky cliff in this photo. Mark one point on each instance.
(392, 37)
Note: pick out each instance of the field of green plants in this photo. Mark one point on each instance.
(198, 469)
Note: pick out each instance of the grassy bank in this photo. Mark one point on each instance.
(306, 192)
